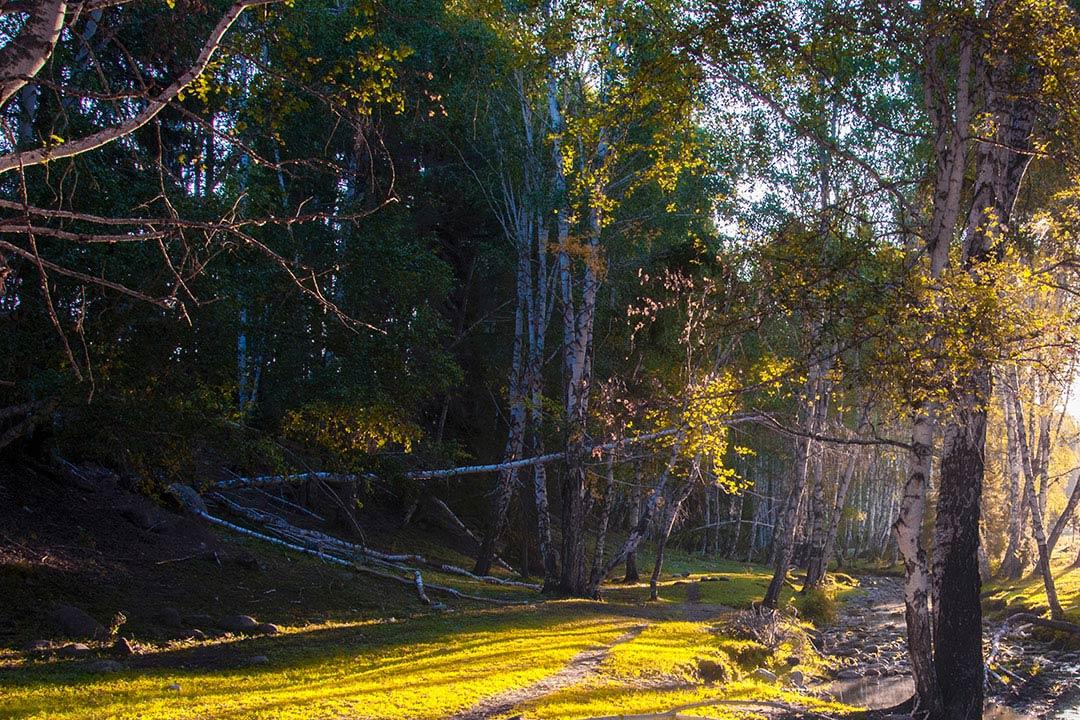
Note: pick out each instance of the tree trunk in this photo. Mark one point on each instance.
(958, 627)
(917, 583)
(1063, 519)
(605, 517)
(652, 505)
(670, 516)
(632, 575)
(515, 440)
(1032, 501)
(815, 574)
(786, 528)
(1011, 568)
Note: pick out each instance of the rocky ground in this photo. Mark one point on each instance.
(867, 640)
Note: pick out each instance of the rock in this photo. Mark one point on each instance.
(188, 498)
(439, 607)
(764, 674)
(70, 621)
(173, 687)
(793, 660)
(238, 623)
(75, 650)
(259, 660)
(105, 666)
(797, 678)
(267, 629)
(198, 621)
(122, 648)
(848, 674)
(139, 516)
(195, 634)
(167, 617)
(39, 646)
(711, 671)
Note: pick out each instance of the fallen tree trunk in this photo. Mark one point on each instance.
(264, 480)
(415, 581)
(1058, 625)
(320, 541)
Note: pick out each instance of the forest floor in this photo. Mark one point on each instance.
(345, 645)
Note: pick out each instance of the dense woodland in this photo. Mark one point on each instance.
(790, 283)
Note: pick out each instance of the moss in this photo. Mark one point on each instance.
(817, 605)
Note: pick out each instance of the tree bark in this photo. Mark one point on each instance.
(917, 583)
(1032, 502)
(1011, 567)
(632, 575)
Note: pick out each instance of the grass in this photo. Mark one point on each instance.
(1029, 593)
(432, 665)
(425, 668)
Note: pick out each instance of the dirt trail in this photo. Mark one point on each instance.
(584, 664)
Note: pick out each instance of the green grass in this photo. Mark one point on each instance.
(351, 661)
(1029, 593)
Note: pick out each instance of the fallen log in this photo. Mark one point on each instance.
(325, 557)
(264, 480)
(455, 523)
(1058, 625)
(269, 480)
(313, 538)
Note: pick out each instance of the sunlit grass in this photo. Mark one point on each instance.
(427, 668)
(1029, 593)
(433, 665)
(607, 698)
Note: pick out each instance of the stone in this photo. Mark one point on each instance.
(105, 666)
(238, 623)
(39, 646)
(139, 516)
(198, 621)
(765, 674)
(259, 660)
(797, 678)
(75, 650)
(711, 671)
(848, 674)
(267, 629)
(167, 617)
(73, 622)
(188, 498)
(122, 648)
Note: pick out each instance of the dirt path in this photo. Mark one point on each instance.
(584, 664)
